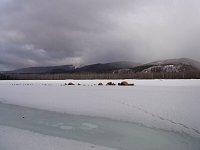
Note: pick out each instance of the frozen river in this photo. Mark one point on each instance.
(96, 130)
(152, 115)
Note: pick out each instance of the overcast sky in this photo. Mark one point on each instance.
(59, 32)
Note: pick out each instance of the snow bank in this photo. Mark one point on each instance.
(17, 139)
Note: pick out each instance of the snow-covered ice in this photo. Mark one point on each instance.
(170, 105)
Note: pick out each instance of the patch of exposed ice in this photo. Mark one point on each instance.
(17, 139)
(89, 126)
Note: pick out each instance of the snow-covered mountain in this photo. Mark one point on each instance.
(169, 65)
(122, 67)
(170, 68)
(185, 61)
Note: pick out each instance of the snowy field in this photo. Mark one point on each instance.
(153, 114)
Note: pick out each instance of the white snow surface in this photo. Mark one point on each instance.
(17, 139)
(166, 104)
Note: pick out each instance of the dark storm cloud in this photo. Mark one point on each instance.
(52, 32)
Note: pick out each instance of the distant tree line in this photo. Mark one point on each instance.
(5, 77)
(130, 75)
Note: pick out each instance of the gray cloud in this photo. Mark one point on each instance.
(51, 32)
